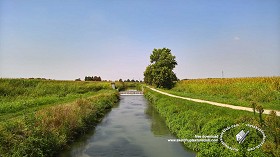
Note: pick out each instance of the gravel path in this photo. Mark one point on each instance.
(214, 103)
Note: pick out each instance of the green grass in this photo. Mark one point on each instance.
(18, 95)
(41, 117)
(264, 91)
(186, 119)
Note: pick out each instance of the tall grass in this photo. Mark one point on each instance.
(17, 95)
(40, 117)
(14, 88)
(264, 91)
(186, 119)
(47, 131)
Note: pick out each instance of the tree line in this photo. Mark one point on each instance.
(90, 78)
(98, 78)
(128, 80)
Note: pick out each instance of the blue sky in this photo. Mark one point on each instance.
(70, 39)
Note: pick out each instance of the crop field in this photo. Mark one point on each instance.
(264, 91)
(40, 117)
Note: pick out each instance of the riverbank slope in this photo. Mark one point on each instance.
(41, 117)
(187, 120)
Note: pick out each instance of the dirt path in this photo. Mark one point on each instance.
(214, 103)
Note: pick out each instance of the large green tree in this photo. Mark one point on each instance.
(160, 72)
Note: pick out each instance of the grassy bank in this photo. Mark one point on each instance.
(19, 95)
(186, 119)
(42, 117)
(263, 91)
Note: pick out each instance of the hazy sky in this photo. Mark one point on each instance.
(64, 39)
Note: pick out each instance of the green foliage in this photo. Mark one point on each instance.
(254, 104)
(95, 78)
(260, 109)
(186, 119)
(121, 86)
(35, 121)
(47, 131)
(273, 129)
(159, 72)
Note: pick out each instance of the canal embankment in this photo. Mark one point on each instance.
(131, 129)
(47, 131)
(189, 120)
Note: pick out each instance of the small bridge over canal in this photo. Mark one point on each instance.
(131, 92)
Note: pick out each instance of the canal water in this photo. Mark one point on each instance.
(132, 129)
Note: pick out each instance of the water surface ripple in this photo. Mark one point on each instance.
(132, 129)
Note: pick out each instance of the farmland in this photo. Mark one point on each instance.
(186, 118)
(40, 117)
(264, 91)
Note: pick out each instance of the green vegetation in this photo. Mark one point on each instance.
(186, 119)
(95, 78)
(40, 117)
(19, 95)
(248, 92)
(121, 86)
(159, 73)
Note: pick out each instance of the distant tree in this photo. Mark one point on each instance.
(88, 78)
(95, 78)
(128, 80)
(120, 80)
(159, 72)
(132, 80)
(78, 79)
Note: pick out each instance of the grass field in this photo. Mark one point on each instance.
(264, 91)
(40, 117)
(186, 119)
(17, 95)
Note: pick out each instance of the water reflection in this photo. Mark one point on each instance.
(132, 129)
(158, 126)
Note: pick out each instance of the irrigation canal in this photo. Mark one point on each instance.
(132, 129)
